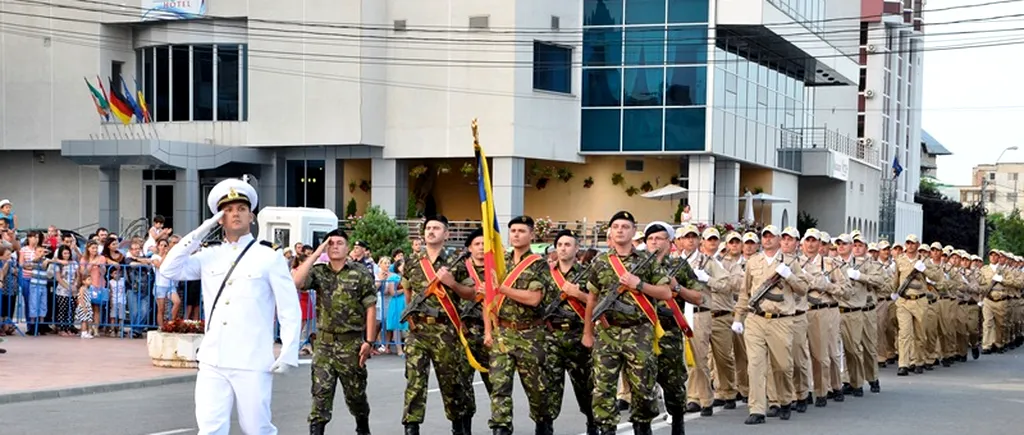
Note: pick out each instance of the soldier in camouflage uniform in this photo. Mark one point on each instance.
(672, 375)
(433, 338)
(346, 305)
(470, 273)
(624, 342)
(565, 325)
(519, 338)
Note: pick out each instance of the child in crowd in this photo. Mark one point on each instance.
(8, 289)
(156, 232)
(118, 299)
(83, 311)
(66, 272)
(7, 214)
(41, 275)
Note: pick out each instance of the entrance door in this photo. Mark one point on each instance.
(158, 199)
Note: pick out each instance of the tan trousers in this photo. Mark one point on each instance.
(894, 329)
(769, 341)
(835, 350)
(931, 328)
(884, 338)
(739, 351)
(962, 330)
(910, 315)
(801, 358)
(869, 357)
(819, 332)
(994, 323)
(698, 386)
(948, 325)
(973, 324)
(722, 357)
(853, 335)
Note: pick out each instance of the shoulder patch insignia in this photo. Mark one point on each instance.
(268, 244)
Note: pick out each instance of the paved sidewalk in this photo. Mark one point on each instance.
(51, 366)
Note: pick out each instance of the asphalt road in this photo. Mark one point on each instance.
(983, 396)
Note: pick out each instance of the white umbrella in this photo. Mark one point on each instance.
(764, 198)
(748, 210)
(672, 192)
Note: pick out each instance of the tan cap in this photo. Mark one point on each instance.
(844, 238)
(857, 237)
(937, 246)
(772, 229)
(791, 232)
(751, 237)
(826, 238)
(947, 250)
(686, 230)
(975, 257)
(911, 238)
(872, 247)
(923, 248)
(883, 245)
(732, 235)
(638, 236)
(812, 233)
(710, 232)
(898, 246)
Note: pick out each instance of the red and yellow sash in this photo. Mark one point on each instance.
(511, 278)
(477, 282)
(437, 290)
(641, 300)
(560, 281)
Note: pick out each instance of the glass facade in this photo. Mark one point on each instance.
(217, 88)
(644, 75)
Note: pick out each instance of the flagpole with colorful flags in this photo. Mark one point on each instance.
(118, 106)
(100, 100)
(494, 252)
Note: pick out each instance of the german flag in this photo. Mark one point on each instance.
(118, 106)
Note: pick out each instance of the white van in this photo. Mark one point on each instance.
(286, 226)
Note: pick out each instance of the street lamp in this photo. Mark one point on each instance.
(981, 220)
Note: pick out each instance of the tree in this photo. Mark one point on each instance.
(1007, 231)
(948, 222)
(382, 233)
(350, 209)
(804, 222)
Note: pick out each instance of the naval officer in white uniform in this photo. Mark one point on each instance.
(236, 358)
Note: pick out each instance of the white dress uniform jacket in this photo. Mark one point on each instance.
(241, 333)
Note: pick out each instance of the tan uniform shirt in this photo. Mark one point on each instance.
(860, 289)
(905, 269)
(999, 290)
(760, 268)
(722, 284)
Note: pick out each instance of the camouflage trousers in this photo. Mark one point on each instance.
(437, 344)
(337, 360)
(672, 375)
(566, 353)
(475, 336)
(631, 352)
(523, 352)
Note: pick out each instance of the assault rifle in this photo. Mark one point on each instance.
(902, 291)
(767, 285)
(666, 312)
(553, 307)
(992, 286)
(613, 296)
(416, 305)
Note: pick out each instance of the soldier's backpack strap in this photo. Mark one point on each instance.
(225, 282)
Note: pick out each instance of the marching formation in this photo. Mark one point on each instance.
(782, 321)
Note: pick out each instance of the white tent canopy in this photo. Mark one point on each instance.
(671, 192)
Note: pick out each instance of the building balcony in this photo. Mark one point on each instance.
(819, 151)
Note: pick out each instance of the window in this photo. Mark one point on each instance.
(602, 12)
(1011, 197)
(641, 129)
(203, 82)
(991, 197)
(688, 45)
(684, 129)
(1013, 176)
(688, 86)
(645, 46)
(991, 175)
(645, 12)
(600, 130)
(643, 86)
(602, 87)
(305, 183)
(688, 11)
(115, 75)
(552, 67)
(602, 47)
(634, 165)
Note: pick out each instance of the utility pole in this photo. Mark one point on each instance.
(981, 220)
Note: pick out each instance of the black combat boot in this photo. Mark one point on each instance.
(801, 406)
(975, 352)
(707, 412)
(362, 425)
(467, 425)
(591, 426)
(730, 404)
(820, 402)
(608, 431)
(545, 428)
(642, 428)
(678, 426)
(773, 411)
(784, 412)
(839, 397)
(902, 371)
(317, 428)
(504, 431)
(755, 419)
(458, 427)
(875, 386)
(412, 429)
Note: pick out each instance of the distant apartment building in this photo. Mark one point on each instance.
(1001, 184)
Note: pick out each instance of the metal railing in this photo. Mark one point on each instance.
(824, 138)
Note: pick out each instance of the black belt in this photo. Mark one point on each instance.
(820, 306)
(773, 315)
(849, 310)
(912, 298)
(564, 325)
(799, 313)
(948, 298)
(632, 323)
(869, 307)
(720, 313)
(701, 309)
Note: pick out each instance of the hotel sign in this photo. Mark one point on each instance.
(840, 166)
(173, 9)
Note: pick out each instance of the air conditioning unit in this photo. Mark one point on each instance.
(872, 48)
(869, 94)
(865, 141)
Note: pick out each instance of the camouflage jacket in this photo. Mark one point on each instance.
(469, 308)
(604, 280)
(564, 310)
(536, 277)
(342, 297)
(416, 281)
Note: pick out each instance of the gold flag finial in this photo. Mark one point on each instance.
(476, 133)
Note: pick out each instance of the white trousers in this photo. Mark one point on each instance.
(218, 389)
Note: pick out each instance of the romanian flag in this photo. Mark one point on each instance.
(141, 98)
(102, 107)
(118, 106)
(494, 252)
(136, 109)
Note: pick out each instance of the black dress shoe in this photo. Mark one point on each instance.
(773, 411)
(800, 406)
(935, 363)
(678, 426)
(985, 352)
(881, 365)
(839, 397)
(946, 363)
(847, 388)
(809, 400)
(929, 367)
(707, 412)
(718, 402)
(902, 371)
(609, 431)
(820, 402)
(693, 407)
(875, 386)
(858, 392)
(784, 413)
(543, 428)
(729, 404)
(755, 419)
(892, 360)
(919, 370)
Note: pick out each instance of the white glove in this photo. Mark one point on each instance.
(209, 224)
(919, 266)
(929, 281)
(784, 271)
(280, 367)
(702, 276)
(894, 296)
(854, 274)
(981, 304)
(737, 327)
(997, 278)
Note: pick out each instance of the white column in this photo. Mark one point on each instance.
(110, 198)
(389, 189)
(508, 184)
(702, 188)
(187, 202)
(727, 191)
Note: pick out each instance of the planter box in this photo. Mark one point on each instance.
(174, 350)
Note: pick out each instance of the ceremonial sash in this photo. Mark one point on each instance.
(511, 278)
(560, 280)
(641, 300)
(677, 315)
(477, 283)
(437, 290)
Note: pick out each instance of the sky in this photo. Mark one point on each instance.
(974, 97)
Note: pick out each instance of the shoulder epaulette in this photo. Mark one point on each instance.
(268, 244)
(211, 243)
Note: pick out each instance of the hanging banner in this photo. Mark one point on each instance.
(173, 9)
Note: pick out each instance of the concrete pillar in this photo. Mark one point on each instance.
(727, 192)
(331, 199)
(508, 185)
(389, 189)
(110, 198)
(187, 201)
(702, 188)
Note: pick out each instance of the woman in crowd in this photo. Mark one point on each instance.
(396, 305)
(162, 288)
(26, 256)
(94, 265)
(383, 294)
(66, 274)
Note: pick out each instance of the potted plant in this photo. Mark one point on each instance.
(416, 171)
(632, 190)
(646, 187)
(364, 185)
(443, 168)
(588, 182)
(176, 344)
(618, 179)
(352, 186)
(564, 174)
(542, 175)
(468, 170)
(541, 227)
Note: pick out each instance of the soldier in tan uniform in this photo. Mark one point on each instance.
(946, 307)
(974, 297)
(732, 259)
(850, 309)
(996, 289)
(801, 352)
(770, 283)
(961, 273)
(722, 280)
(869, 275)
(825, 283)
(911, 305)
(885, 324)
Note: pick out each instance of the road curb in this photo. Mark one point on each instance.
(28, 396)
